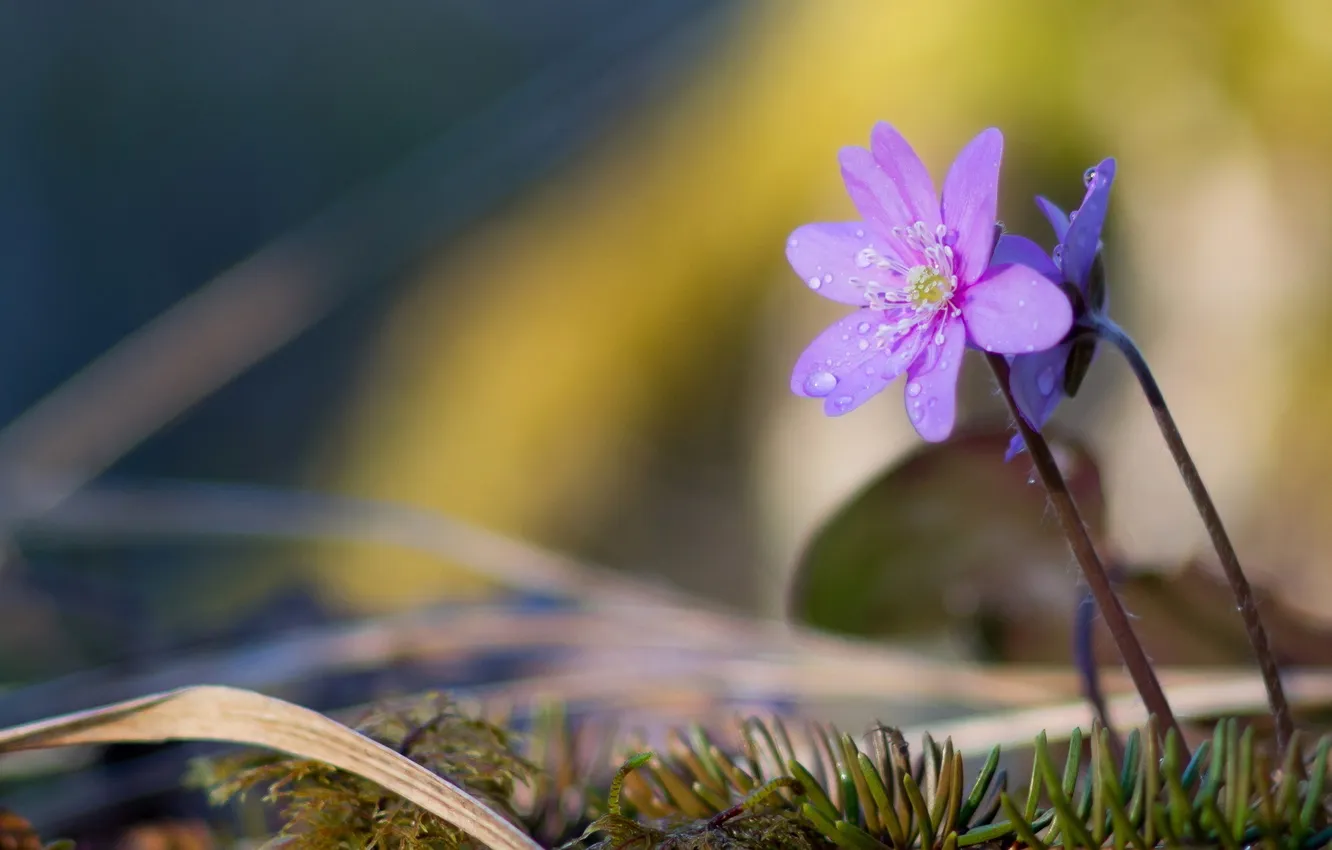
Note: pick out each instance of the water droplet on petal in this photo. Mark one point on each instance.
(863, 327)
(1058, 255)
(939, 338)
(913, 389)
(1036, 325)
(1045, 381)
(827, 278)
(1031, 479)
(820, 383)
(943, 364)
(1031, 348)
(869, 370)
(1089, 176)
(932, 402)
(815, 283)
(843, 402)
(860, 234)
(917, 414)
(1071, 216)
(1022, 302)
(862, 344)
(845, 337)
(795, 242)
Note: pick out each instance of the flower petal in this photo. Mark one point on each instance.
(836, 367)
(830, 259)
(1014, 309)
(1057, 217)
(931, 390)
(970, 201)
(1083, 238)
(906, 172)
(878, 200)
(1022, 251)
(1037, 383)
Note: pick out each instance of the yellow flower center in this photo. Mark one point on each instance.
(927, 287)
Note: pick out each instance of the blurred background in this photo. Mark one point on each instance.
(283, 285)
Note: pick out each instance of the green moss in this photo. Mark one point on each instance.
(323, 808)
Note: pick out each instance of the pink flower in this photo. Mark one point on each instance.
(920, 274)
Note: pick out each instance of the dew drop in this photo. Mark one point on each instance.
(1089, 176)
(827, 278)
(1035, 326)
(843, 402)
(1045, 381)
(1022, 302)
(1031, 348)
(860, 234)
(943, 364)
(795, 242)
(815, 283)
(939, 338)
(913, 389)
(917, 414)
(863, 327)
(932, 402)
(819, 383)
(1072, 216)
(1031, 479)
(862, 344)
(869, 370)
(1058, 255)
(845, 337)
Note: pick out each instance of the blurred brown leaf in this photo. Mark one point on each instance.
(1185, 618)
(950, 537)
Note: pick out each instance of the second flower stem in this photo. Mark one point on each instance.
(1225, 551)
(1098, 581)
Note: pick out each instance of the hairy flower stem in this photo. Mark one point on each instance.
(1239, 585)
(1116, 618)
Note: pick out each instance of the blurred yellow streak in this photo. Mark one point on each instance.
(516, 382)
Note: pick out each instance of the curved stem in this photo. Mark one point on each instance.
(1225, 551)
(1116, 619)
(1084, 658)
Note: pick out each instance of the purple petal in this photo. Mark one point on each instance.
(1037, 383)
(1057, 217)
(1015, 447)
(878, 200)
(931, 389)
(1013, 310)
(836, 368)
(1022, 251)
(1083, 238)
(970, 201)
(905, 170)
(826, 258)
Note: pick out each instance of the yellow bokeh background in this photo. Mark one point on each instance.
(527, 377)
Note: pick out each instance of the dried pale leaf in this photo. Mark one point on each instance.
(211, 713)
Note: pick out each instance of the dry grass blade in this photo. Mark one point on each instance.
(210, 713)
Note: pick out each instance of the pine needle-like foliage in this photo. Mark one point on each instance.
(758, 794)
(323, 808)
(1228, 795)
